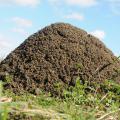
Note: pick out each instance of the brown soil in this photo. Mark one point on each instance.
(59, 53)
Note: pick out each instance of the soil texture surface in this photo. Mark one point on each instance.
(59, 53)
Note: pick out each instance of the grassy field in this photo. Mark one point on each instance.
(82, 102)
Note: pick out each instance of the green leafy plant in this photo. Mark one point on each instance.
(83, 101)
(3, 106)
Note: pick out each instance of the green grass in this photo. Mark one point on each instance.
(82, 102)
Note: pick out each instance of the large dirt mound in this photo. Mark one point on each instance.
(59, 53)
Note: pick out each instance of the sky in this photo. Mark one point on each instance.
(21, 18)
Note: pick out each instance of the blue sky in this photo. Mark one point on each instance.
(21, 18)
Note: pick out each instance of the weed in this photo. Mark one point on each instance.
(3, 106)
(81, 102)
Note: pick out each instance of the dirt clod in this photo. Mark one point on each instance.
(59, 53)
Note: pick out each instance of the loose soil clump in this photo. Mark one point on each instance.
(56, 54)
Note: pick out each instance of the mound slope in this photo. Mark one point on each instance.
(59, 53)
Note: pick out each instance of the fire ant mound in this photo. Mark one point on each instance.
(59, 53)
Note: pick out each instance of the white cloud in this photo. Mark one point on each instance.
(75, 16)
(20, 2)
(4, 42)
(22, 22)
(21, 25)
(115, 6)
(7, 44)
(99, 34)
(19, 30)
(55, 2)
(27, 2)
(83, 3)
(114, 1)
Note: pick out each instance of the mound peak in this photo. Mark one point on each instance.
(59, 53)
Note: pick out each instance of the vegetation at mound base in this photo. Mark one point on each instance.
(82, 102)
